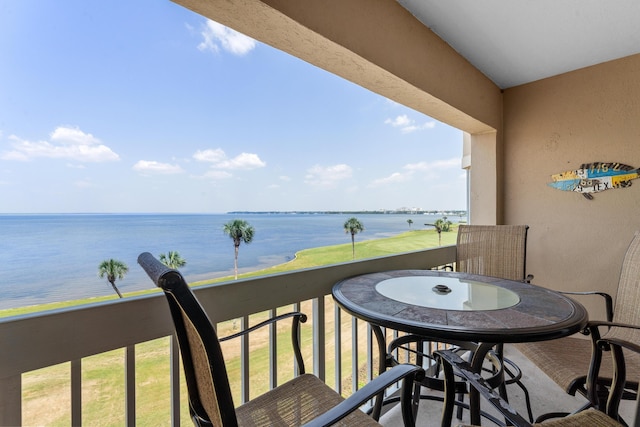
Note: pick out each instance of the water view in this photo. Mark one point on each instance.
(51, 258)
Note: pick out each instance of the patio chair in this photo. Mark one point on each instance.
(488, 250)
(621, 341)
(565, 360)
(304, 400)
(493, 250)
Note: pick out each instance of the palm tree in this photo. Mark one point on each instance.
(441, 224)
(240, 231)
(353, 226)
(173, 260)
(113, 269)
(409, 221)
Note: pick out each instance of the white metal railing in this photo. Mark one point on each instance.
(40, 340)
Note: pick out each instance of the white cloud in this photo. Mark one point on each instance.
(73, 135)
(216, 36)
(425, 169)
(219, 160)
(284, 178)
(327, 177)
(242, 161)
(399, 121)
(394, 178)
(213, 156)
(408, 125)
(66, 143)
(153, 167)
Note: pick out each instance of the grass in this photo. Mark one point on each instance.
(46, 391)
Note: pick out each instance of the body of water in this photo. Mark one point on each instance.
(50, 258)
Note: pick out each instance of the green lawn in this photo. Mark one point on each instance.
(103, 375)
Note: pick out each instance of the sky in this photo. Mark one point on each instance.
(145, 106)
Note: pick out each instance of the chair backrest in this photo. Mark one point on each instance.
(210, 398)
(628, 296)
(492, 250)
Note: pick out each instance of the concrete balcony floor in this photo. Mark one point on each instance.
(546, 396)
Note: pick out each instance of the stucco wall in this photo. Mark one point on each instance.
(555, 125)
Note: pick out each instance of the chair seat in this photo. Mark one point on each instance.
(590, 417)
(571, 373)
(294, 403)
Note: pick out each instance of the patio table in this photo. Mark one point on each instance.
(460, 307)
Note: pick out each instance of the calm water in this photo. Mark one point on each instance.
(47, 258)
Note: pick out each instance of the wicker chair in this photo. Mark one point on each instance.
(302, 400)
(489, 250)
(493, 250)
(565, 360)
(616, 340)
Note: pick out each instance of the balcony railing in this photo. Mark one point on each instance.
(41, 340)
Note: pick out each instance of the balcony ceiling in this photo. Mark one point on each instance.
(519, 41)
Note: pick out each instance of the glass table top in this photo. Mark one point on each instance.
(447, 293)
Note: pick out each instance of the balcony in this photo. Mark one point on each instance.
(65, 344)
(68, 339)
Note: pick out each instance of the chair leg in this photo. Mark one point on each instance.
(617, 384)
(449, 395)
(382, 354)
(515, 379)
(527, 399)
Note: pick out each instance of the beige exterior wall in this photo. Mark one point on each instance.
(555, 125)
(484, 185)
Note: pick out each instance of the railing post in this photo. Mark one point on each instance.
(354, 354)
(338, 347)
(319, 358)
(11, 401)
(369, 353)
(175, 381)
(76, 392)
(273, 352)
(244, 360)
(130, 385)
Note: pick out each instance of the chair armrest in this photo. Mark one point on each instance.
(596, 323)
(297, 318)
(406, 372)
(452, 365)
(608, 300)
(605, 340)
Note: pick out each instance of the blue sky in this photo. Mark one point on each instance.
(144, 106)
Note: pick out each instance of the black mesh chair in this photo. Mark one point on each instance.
(304, 400)
(615, 341)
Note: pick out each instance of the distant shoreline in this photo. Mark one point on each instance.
(376, 212)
